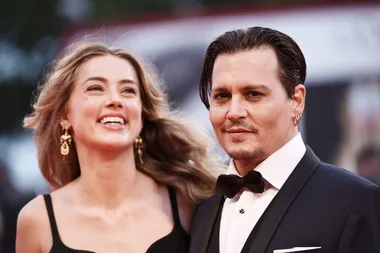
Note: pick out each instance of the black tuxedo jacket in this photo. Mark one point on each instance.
(320, 205)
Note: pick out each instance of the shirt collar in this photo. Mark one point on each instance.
(277, 167)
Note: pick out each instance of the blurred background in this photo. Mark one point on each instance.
(340, 40)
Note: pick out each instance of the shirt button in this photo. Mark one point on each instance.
(242, 211)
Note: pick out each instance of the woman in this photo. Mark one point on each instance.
(127, 172)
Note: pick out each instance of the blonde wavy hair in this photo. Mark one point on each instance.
(175, 152)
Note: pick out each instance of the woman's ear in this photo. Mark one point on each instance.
(65, 124)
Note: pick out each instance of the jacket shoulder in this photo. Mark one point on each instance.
(344, 176)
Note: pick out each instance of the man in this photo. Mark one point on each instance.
(279, 195)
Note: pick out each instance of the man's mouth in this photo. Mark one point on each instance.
(238, 130)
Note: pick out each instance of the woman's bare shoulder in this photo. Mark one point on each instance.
(32, 221)
(33, 212)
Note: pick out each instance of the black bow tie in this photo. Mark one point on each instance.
(230, 185)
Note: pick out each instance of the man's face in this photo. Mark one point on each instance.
(251, 114)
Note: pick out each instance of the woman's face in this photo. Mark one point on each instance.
(104, 110)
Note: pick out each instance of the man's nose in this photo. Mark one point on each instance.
(237, 109)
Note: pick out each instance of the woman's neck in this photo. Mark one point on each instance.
(109, 178)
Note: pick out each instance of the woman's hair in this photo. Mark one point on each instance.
(174, 152)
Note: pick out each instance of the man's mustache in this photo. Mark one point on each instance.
(239, 124)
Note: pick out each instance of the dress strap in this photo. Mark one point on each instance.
(50, 211)
(174, 204)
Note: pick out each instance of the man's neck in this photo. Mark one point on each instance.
(243, 166)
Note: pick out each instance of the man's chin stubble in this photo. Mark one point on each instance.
(247, 155)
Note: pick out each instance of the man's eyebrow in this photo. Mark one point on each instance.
(218, 89)
(249, 87)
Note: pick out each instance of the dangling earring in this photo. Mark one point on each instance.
(139, 146)
(297, 119)
(65, 142)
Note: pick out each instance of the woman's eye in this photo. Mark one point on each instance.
(130, 90)
(95, 88)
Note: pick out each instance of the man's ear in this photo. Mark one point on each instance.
(298, 100)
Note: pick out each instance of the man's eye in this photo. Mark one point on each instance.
(221, 95)
(254, 94)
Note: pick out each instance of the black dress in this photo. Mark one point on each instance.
(177, 241)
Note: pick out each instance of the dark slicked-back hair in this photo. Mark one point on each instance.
(291, 61)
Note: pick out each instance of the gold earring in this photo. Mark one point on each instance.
(297, 119)
(139, 146)
(65, 142)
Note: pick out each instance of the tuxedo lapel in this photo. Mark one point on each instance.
(280, 204)
(204, 223)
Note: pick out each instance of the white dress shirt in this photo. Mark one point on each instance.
(241, 213)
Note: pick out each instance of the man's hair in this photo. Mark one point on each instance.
(291, 61)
